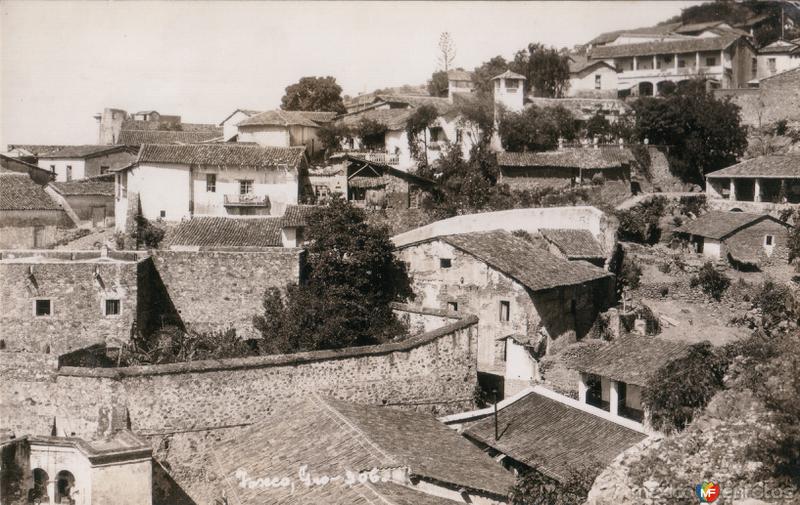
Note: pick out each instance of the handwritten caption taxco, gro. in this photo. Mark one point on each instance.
(306, 479)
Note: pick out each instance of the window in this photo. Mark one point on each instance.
(598, 81)
(505, 310)
(112, 307)
(452, 306)
(771, 65)
(245, 186)
(69, 172)
(163, 213)
(211, 183)
(681, 63)
(754, 67)
(512, 84)
(459, 135)
(711, 61)
(43, 308)
(769, 240)
(445, 262)
(53, 168)
(104, 169)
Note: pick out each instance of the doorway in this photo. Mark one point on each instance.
(98, 216)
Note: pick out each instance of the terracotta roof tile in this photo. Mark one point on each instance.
(508, 74)
(228, 232)
(393, 119)
(664, 47)
(19, 192)
(553, 437)
(718, 224)
(579, 157)
(458, 74)
(298, 215)
(139, 137)
(631, 359)
(85, 187)
(86, 151)
(222, 155)
(574, 244)
(531, 266)
(311, 119)
(772, 165)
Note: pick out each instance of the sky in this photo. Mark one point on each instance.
(63, 61)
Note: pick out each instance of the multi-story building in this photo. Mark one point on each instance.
(70, 163)
(777, 57)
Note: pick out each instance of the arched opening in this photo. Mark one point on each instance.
(65, 487)
(646, 88)
(38, 493)
(665, 88)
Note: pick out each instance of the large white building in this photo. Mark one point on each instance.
(173, 182)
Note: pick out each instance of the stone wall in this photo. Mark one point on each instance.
(216, 290)
(776, 98)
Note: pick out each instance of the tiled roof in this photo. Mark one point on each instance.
(393, 119)
(80, 151)
(631, 359)
(35, 149)
(583, 108)
(718, 225)
(442, 105)
(578, 157)
(605, 38)
(529, 265)
(697, 27)
(553, 437)
(297, 215)
(85, 187)
(575, 244)
(19, 192)
(579, 63)
(278, 117)
(222, 155)
(458, 74)
(228, 232)
(508, 74)
(771, 165)
(664, 47)
(171, 125)
(139, 137)
(333, 436)
(780, 47)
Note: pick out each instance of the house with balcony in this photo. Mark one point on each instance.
(645, 63)
(760, 184)
(172, 182)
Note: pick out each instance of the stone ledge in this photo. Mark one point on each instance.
(269, 361)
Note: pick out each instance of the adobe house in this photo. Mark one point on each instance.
(92, 199)
(29, 215)
(759, 184)
(514, 287)
(79, 162)
(744, 238)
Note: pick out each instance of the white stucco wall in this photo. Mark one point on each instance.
(783, 62)
(78, 168)
(711, 248)
(279, 185)
(277, 136)
(511, 99)
(229, 128)
(584, 82)
(161, 186)
(520, 365)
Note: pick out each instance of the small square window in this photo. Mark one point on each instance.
(104, 169)
(245, 186)
(505, 310)
(711, 61)
(452, 306)
(598, 80)
(163, 213)
(211, 183)
(769, 240)
(445, 262)
(69, 172)
(43, 308)
(112, 307)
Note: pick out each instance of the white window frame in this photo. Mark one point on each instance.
(52, 308)
(211, 188)
(246, 182)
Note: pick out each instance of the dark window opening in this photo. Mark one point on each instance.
(112, 307)
(44, 308)
(445, 262)
(163, 213)
(505, 310)
(768, 240)
(453, 306)
(211, 183)
(104, 169)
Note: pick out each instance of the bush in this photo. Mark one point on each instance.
(147, 233)
(694, 205)
(640, 222)
(598, 179)
(684, 386)
(781, 127)
(775, 302)
(630, 274)
(664, 291)
(664, 268)
(712, 282)
(535, 488)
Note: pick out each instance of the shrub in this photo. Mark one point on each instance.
(630, 274)
(664, 268)
(664, 291)
(640, 222)
(598, 179)
(535, 488)
(775, 302)
(711, 281)
(652, 324)
(684, 386)
(781, 127)
(147, 233)
(694, 205)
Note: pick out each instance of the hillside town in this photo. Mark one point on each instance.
(569, 276)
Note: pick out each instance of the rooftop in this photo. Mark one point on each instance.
(459, 74)
(631, 359)
(139, 137)
(78, 152)
(719, 225)
(769, 166)
(687, 45)
(393, 119)
(535, 268)
(553, 437)
(575, 157)
(574, 244)
(508, 74)
(278, 117)
(85, 187)
(19, 192)
(227, 232)
(222, 155)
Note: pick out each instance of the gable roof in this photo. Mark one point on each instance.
(84, 187)
(208, 231)
(508, 74)
(719, 225)
(605, 38)
(380, 171)
(664, 47)
(222, 155)
(393, 119)
(580, 62)
(80, 152)
(19, 192)
(769, 166)
(553, 437)
(298, 215)
(535, 268)
(576, 157)
(779, 47)
(357, 438)
(246, 112)
(631, 359)
(574, 244)
(139, 137)
(277, 117)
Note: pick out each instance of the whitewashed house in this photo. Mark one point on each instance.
(173, 182)
(71, 163)
(283, 128)
(229, 126)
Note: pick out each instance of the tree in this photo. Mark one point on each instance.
(712, 282)
(438, 84)
(447, 51)
(331, 136)
(476, 111)
(371, 133)
(536, 128)
(483, 75)
(535, 488)
(705, 133)
(315, 94)
(546, 70)
(416, 129)
(352, 277)
(598, 126)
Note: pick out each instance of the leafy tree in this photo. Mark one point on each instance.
(705, 133)
(332, 134)
(371, 133)
(683, 387)
(535, 488)
(416, 129)
(477, 116)
(546, 70)
(483, 75)
(148, 234)
(351, 277)
(314, 93)
(447, 51)
(640, 223)
(536, 128)
(711, 281)
(438, 85)
(173, 344)
(598, 126)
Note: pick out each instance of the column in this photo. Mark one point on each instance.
(675, 62)
(583, 387)
(655, 62)
(613, 398)
(757, 190)
(635, 63)
(51, 490)
(697, 61)
(732, 196)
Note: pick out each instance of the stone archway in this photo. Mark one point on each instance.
(65, 487)
(646, 88)
(38, 493)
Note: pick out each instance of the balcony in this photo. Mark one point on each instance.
(246, 200)
(669, 71)
(375, 157)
